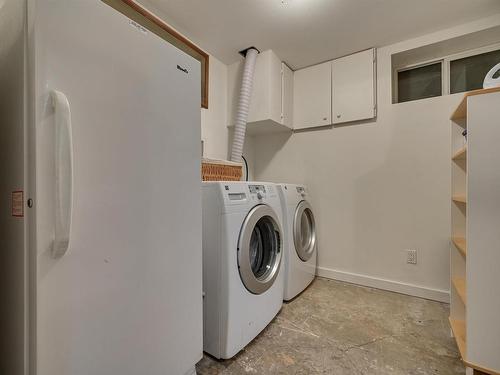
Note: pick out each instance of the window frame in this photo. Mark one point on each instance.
(416, 66)
(462, 55)
(445, 69)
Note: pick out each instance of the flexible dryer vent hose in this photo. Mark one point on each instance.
(240, 125)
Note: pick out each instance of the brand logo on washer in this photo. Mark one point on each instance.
(182, 69)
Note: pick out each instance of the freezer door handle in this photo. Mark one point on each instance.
(63, 173)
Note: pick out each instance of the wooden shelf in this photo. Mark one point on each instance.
(461, 111)
(460, 154)
(459, 198)
(459, 285)
(471, 308)
(458, 328)
(461, 245)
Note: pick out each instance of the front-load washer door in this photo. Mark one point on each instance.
(304, 231)
(259, 249)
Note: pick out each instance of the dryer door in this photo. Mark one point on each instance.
(259, 249)
(304, 231)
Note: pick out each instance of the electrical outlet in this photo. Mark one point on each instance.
(411, 256)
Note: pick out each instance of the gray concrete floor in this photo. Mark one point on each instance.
(339, 328)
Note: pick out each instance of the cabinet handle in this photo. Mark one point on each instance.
(325, 118)
(339, 116)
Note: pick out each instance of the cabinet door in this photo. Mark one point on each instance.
(312, 90)
(353, 87)
(286, 96)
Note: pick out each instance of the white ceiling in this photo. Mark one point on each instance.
(305, 32)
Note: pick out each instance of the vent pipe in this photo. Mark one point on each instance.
(240, 125)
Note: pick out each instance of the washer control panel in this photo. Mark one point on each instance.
(257, 193)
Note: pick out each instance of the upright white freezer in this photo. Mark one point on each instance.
(100, 203)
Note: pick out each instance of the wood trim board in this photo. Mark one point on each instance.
(460, 287)
(459, 198)
(153, 23)
(461, 245)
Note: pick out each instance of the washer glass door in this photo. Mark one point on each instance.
(304, 231)
(259, 249)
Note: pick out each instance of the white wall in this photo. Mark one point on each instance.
(378, 187)
(214, 120)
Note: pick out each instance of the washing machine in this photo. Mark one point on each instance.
(300, 241)
(242, 263)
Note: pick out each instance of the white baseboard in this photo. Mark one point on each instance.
(393, 286)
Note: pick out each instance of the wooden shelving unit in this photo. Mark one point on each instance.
(461, 111)
(475, 219)
(458, 231)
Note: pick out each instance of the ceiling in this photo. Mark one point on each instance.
(305, 32)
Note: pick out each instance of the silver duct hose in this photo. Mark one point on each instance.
(240, 125)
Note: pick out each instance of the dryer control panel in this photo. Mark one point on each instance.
(301, 191)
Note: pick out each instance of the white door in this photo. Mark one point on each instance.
(353, 87)
(312, 95)
(126, 297)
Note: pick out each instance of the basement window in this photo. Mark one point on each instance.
(468, 73)
(420, 82)
(423, 73)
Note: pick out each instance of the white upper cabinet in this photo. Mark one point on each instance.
(312, 90)
(333, 92)
(272, 95)
(353, 87)
(287, 95)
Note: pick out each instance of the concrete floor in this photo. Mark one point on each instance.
(338, 328)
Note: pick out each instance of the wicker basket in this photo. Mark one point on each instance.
(220, 170)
